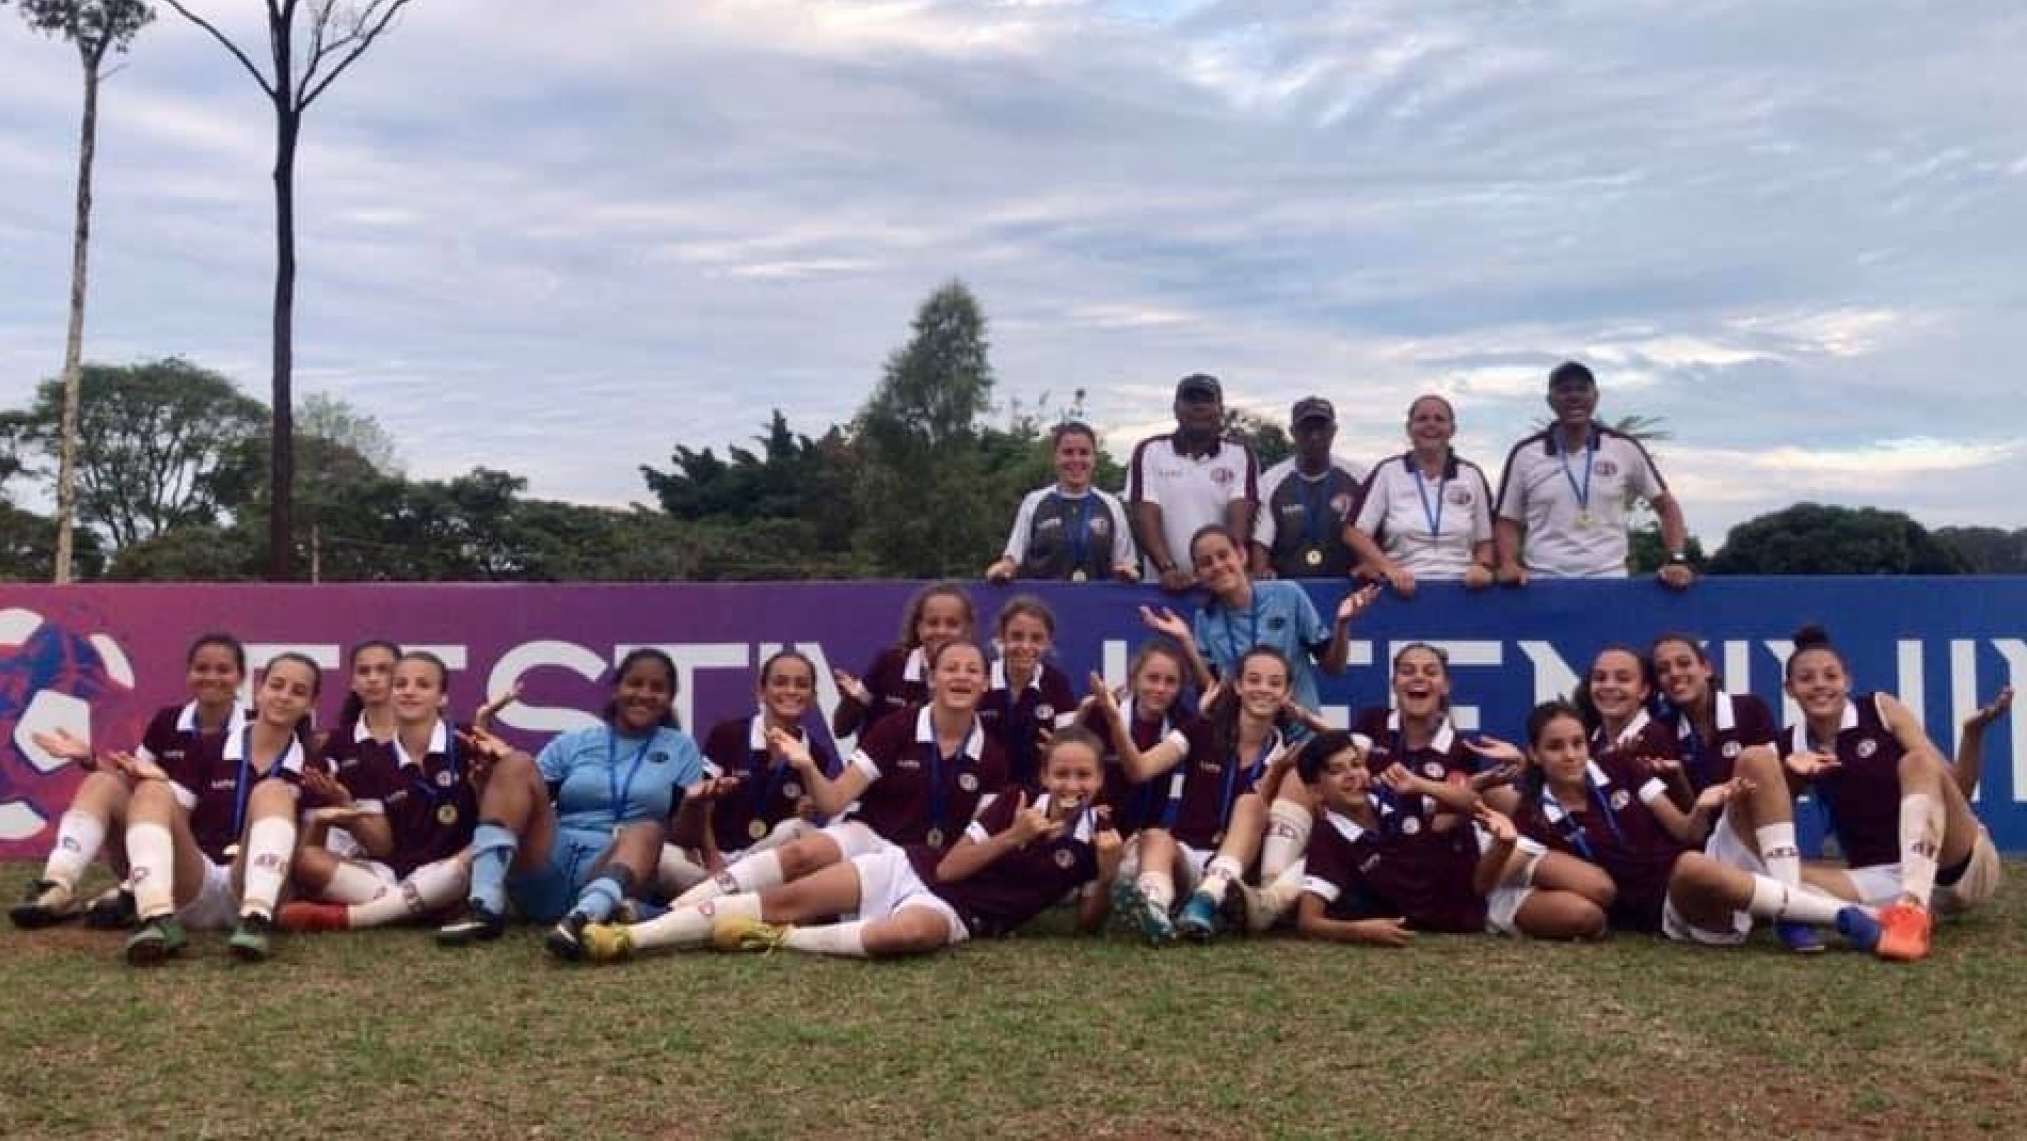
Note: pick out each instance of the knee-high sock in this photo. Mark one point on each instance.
(1288, 825)
(79, 836)
(270, 842)
(599, 897)
(493, 848)
(1921, 838)
(686, 927)
(848, 939)
(1779, 851)
(151, 852)
(427, 889)
(756, 872)
(1773, 899)
(1219, 876)
(351, 883)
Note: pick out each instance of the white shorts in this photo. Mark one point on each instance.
(1727, 848)
(214, 908)
(1190, 862)
(1507, 897)
(855, 839)
(1979, 882)
(888, 883)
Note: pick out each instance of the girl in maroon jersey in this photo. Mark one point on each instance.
(1909, 836)
(211, 835)
(1028, 698)
(1207, 829)
(96, 820)
(753, 799)
(897, 678)
(411, 803)
(1603, 809)
(1614, 698)
(368, 711)
(918, 777)
(1015, 860)
(1151, 707)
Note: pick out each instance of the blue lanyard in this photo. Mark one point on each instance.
(428, 788)
(1314, 511)
(1435, 517)
(1583, 493)
(1573, 829)
(242, 788)
(1232, 646)
(1229, 791)
(1080, 531)
(617, 791)
(939, 796)
(764, 791)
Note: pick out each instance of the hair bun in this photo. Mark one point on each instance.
(1811, 637)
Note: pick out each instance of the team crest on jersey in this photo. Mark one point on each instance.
(1064, 858)
(657, 757)
(1221, 476)
(1867, 748)
(1340, 504)
(1433, 770)
(1458, 496)
(968, 781)
(791, 790)
(1100, 526)
(1608, 467)
(1620, 799)
(1411, 825)
(1045, 711)
(1731, 750)
(445, 779)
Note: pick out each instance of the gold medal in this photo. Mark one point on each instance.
(1312, 557)
(446, 814)
(1217, 839)
(757, 830)
(1583, 520)
(935, 837)
(1078, 575)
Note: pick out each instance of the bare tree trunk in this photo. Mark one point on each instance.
(282, 454)
(73, 341)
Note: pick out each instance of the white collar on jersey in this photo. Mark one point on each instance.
(1084, 830)
(235, 750)
(1444, 740)
(997, 679)
(916, 666)
(1721, 715)
(439, 742)
(925, 734)
(1345, 825)
(186, 720)
(360, 733)
(1798, 733)
(756, 732)
(1633, 728)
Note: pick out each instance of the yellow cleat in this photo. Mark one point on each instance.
(606, 942)
(739, 933)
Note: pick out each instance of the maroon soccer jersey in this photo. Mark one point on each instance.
(1740, 720)
(1194, 799)
(1642, 737)
(1134, 806)
(213, 784)
(1016, 720)
(915, 790)
(1014, 888)
(1863, 792)
(1616, 831)
(430, 804)
(770, 791)
(173, 729)
(1401, 868)
(897, 679)
(1443, 759)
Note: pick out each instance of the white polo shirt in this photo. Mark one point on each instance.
(1428, 526)
(1191, 490)
(1574, 504)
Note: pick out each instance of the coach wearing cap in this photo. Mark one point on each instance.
(1305, 501)
(1571, 485)
(1188, 479)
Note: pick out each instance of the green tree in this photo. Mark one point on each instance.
(346, 487)
(157, 442)
(922, 498)
(93, 27)
(1986, 550)
(191, 552)
(1810, 538)
(1270, 441)
(306, 56)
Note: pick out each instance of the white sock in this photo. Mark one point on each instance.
(1159, 889)
(151, 852)
(1773, 899)
(1921, 830)
(79, 836)
(351, 883)
(676, 873)
(269, 844)
(426, 889)
(686, 927)
(1218, 877)
(830, 939)
(1288, 825)
(754, 873)
(1779, 851)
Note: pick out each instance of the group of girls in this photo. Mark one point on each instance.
(983, 790)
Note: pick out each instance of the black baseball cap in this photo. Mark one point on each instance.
(1199, 386)
(1571, 372)
(1312, 408)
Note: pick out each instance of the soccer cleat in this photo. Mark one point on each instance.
(740, 933)
(253, 940)
(308, 915)
(606, 942)
(47, 904)
(155, 940)
(1858, 928)
(1904, 932)
(1199, 919)
(113, 910)
(1800, 938)
(566, 939)
(1133, 905)
(475, 924)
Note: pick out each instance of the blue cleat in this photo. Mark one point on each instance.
(1199, 919)
(1132, 905)
(1859, 928)
(1800, 938)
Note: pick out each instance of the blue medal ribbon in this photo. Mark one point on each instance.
(1314, 510)
(1583, 493)
(1080, 534)
(1232, 645)
(763, 792)
(939, 796)
(427, 787)
(1434, 517)
(617, 791)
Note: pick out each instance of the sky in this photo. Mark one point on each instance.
(562, 238)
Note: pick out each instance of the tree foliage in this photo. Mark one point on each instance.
(1811, 538)
(1986, 550)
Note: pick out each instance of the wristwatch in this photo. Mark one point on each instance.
(1678, 557)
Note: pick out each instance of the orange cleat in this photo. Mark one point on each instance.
(1905, 932)
(304, 915)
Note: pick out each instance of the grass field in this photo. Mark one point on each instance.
(381, 1034)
